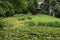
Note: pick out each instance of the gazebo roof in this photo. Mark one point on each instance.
(38, 8)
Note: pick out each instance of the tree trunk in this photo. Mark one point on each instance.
(53, 14)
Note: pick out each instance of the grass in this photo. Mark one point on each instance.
(34, 27)
(44, 18)
(31, 33)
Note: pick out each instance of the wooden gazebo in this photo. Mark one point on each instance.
(36, 11)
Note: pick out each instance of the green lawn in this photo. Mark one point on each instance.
(30, 27)
(44, 18)
(30, 33)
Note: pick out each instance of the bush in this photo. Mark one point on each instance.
(30, 23)
(55, 24)
(22, 16)
(9, 22)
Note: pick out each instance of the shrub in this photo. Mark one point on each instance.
(55, 24)
(9, 22)
(22, 16)
(31, 23)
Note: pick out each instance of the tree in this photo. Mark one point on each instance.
(45, 6)
(32, 5)
(54, 7)
(10, 7)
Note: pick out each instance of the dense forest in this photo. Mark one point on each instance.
(11, 7)
(29, 19)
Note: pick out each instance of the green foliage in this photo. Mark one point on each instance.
(29, 20)
(51, 24)
(6, 8)
(30, 32)
(30, 23)
(9, 22)
(39, 27)
(32, 4)
(10, 7)
(23, 16)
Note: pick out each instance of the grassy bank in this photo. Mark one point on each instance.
(30, 33)
(30, 27)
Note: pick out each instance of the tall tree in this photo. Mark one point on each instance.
(12, 6)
